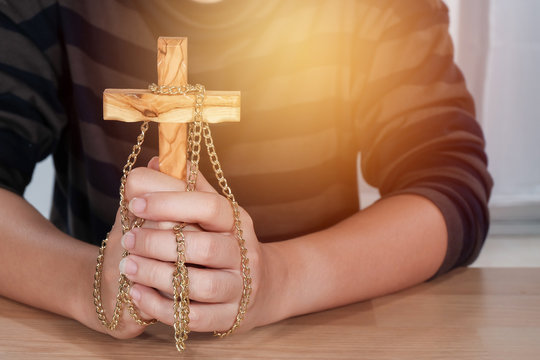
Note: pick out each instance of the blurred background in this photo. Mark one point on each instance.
(497, 46)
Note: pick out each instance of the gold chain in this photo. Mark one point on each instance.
(180, 290)
(194, 148)
(194, 140)
(197, 130)
(122, 297)
(238, 232)
(97, 292)
(127, 225)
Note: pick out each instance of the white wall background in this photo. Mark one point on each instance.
(39, 192)
(497, 46)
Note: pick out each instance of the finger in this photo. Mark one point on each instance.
(215, 250)
(142, 314)
(154, 163)
(205, 285)
(168, 225)
(202, 317)
(214, 286)
(150, 302)
(161, 225)
(211, 317)
(144, 180)
(211, 211)
(202, 184)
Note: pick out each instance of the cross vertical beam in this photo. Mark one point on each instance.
(172, 65)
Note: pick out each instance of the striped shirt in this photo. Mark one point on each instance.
(321, 81)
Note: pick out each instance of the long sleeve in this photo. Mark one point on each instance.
(31, 114)
(418, 132)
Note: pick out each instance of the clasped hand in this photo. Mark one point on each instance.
(212, 252)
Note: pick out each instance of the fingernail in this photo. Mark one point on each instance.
(127, 267)
(128, 241)
(135, 294)
(137, 205)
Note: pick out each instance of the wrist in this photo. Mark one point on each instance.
(270, 305)
(83, 309)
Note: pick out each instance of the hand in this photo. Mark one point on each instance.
(212, 251)
(126, 327)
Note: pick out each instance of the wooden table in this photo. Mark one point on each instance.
(467, 314)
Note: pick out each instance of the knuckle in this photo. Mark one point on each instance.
(154, 274)
(199, 320)
(209, 289)
(208, 321)
(155, 309)
(254, 258)
(214, 320)
(194, 318)
(148, 305)
(246, 219)
(134, 182)
(213, 207)
(207, 250)
(146, 243)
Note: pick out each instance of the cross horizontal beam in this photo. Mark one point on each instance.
(133, 105)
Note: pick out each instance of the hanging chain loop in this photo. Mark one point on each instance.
(124, 284)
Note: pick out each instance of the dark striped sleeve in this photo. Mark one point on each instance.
(31, 116)
(420, 135)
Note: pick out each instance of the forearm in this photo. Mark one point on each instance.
(396, 243)
(42, 266)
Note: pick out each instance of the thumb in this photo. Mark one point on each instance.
(154, 163)
(201, 185)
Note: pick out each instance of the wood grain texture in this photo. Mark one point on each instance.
(172, 61)
(467, 314)
(132, 105)
(172, 67)
(171, 112)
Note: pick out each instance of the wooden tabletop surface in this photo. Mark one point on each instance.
(467, 314)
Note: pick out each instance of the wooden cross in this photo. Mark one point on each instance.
(172, 112)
